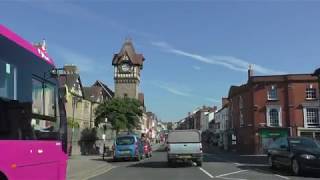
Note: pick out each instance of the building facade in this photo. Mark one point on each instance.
(269, 107)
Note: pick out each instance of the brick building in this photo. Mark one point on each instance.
(268, 107)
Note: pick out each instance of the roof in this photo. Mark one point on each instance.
(92, 93)
(69, 80)
(4, 31)
(235, 90)
(128, 49)
(105, 88)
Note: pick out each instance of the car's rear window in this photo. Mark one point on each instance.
(127, 140)
(184, 137)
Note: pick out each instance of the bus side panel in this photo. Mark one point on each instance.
(24, 160)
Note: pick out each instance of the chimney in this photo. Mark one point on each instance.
(71, 69)
(214, 108)
(225, 101)
(250, 71)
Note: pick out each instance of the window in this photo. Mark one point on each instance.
(240, 102)
(8, 85)
(310, 92)
(274, 116)
(272, 93)
(311, 117)
(43, 106)
(241, 120)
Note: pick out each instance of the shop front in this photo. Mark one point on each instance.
(269, 135)
(309, 132)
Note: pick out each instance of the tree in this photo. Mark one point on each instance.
(122, 113)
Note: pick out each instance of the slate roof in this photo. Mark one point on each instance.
(128, 49)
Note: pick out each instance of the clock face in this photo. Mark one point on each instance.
(125, 67)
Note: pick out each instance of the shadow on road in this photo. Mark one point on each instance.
(159, 164)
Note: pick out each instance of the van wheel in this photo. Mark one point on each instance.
(271, 163)
(170, 163)
(199, 163)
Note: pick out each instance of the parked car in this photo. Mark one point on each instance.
(298, 153)
(147, 149)
(184, 145)
(128, 147)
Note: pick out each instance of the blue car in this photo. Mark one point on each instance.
(128, 147)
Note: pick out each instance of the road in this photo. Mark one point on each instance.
(216, 166)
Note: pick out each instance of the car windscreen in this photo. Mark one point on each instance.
(304, 143)
(127, 140)
(184, 137)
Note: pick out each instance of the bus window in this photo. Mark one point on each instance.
(7, 80)
(44, 121)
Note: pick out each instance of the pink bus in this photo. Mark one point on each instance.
(32, 114)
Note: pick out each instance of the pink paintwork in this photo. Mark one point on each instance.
(32, 159)
(4, 31)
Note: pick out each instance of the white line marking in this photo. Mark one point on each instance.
(231, 173)
(284, 177)
(237, 164)
(206, 172)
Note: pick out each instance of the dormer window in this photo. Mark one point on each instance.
(311, 92)
(272, 93)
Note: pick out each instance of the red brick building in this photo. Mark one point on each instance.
(268, 107)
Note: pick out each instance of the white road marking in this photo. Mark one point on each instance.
(206, 172)
(284, 177)
(238, 164)
(231, 173)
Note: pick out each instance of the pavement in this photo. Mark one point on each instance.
(86, 167)
(218, 165)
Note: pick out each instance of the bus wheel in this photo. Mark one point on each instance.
(3, 177)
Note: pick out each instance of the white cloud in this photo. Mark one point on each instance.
(173, 89)
(229, 62)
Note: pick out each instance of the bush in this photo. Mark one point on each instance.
(87, 140)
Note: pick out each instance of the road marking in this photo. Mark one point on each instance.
(231, 173)
(284, 177)
(237, 164)
(206, 172)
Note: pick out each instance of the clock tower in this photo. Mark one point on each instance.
(127, 67)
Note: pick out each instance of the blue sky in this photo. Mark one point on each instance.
(194, 50)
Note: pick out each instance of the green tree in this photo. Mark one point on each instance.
(122, 113)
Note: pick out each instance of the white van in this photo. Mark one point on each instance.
(184, 145)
